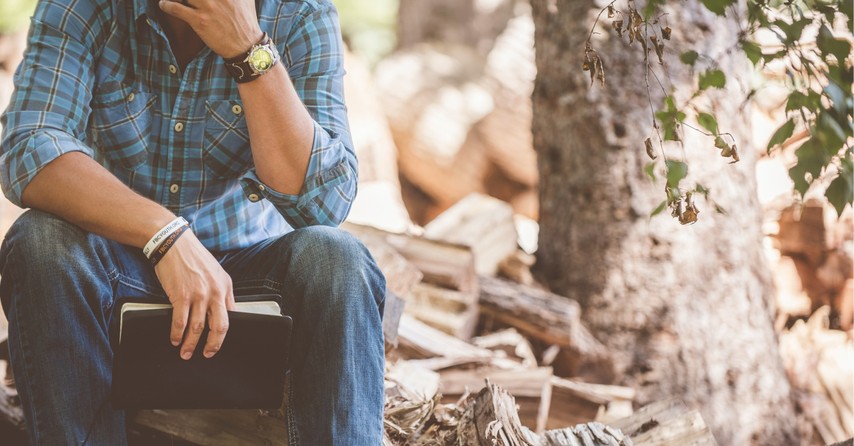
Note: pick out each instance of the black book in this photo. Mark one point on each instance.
(247, 373)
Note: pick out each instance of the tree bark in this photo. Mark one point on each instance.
(686, 310)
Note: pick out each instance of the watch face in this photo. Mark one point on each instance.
(261, 59)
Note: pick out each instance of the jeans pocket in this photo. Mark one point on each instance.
(121, 123)
(226, 149)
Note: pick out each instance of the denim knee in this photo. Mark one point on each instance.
(322, 249)
(40, 247)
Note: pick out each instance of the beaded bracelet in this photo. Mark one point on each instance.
(161, 250)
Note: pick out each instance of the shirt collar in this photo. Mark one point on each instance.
(148, 8)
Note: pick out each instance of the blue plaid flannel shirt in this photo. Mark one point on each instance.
(99, 77)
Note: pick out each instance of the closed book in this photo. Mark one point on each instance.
(248, 372)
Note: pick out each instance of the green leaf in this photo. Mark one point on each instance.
(811, 160)
(689, 57)
(659, 209)
(708, 122)
(712, 78)
(649, 170)
(828, 44)
(717, 6)
(797, 100)
(791, 31)
(676, 172)
(782, 134)
(752, 51)
(840, 192)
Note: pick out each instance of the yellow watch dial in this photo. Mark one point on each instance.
(261, 59)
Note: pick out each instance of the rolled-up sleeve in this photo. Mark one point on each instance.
(314, 56)
(49, 109)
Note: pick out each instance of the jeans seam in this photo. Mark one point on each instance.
(293, 434)
(25, 367)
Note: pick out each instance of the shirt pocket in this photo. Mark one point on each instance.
(226, 150)
(121, 123)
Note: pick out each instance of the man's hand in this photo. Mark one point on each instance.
(228, 27)
(199, 290)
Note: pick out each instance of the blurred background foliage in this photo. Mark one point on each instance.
(368, 26)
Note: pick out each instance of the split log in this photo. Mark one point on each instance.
(666, 423)
(492, 419)
(588, 434)
(511, 343)
(419, 340)
(453, 312)
(532, 389)
(549, 318)
(444, 264)
(484, 223)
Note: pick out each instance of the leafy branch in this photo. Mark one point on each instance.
(819, 76)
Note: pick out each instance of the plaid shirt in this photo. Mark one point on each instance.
(99, 77)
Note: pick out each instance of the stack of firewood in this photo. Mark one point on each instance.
(445, 385)
(812, 254)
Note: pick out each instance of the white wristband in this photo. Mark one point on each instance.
(162, 234)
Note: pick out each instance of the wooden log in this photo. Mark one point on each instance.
(453, 312)
(549, 318)
(492, 419)
(511, 343)
(444, 264)
(216, 427)
(587, 434)
(481, 222)
(666, 423)
(419, 340)
(532, 389)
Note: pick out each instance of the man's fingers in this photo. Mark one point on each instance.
(194, 331)
(218, 321)
(177, 9)
(180, 313)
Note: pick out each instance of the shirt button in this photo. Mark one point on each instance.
(173, 69)
(174, 188)
(254, 197)
(130, 97)
(262, 187)
(236, 109)
(179, 126)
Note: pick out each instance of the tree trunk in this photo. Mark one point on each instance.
(686, 310)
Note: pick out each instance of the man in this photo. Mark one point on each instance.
(130, 113)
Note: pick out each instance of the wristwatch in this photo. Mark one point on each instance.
(261, 58)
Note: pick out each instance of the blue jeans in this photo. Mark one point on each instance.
(61, 287)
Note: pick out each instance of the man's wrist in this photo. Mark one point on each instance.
(240, 48)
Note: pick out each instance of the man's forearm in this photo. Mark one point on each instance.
(281, 130)
(80, 190)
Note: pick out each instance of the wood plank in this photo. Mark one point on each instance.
(216, 427)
